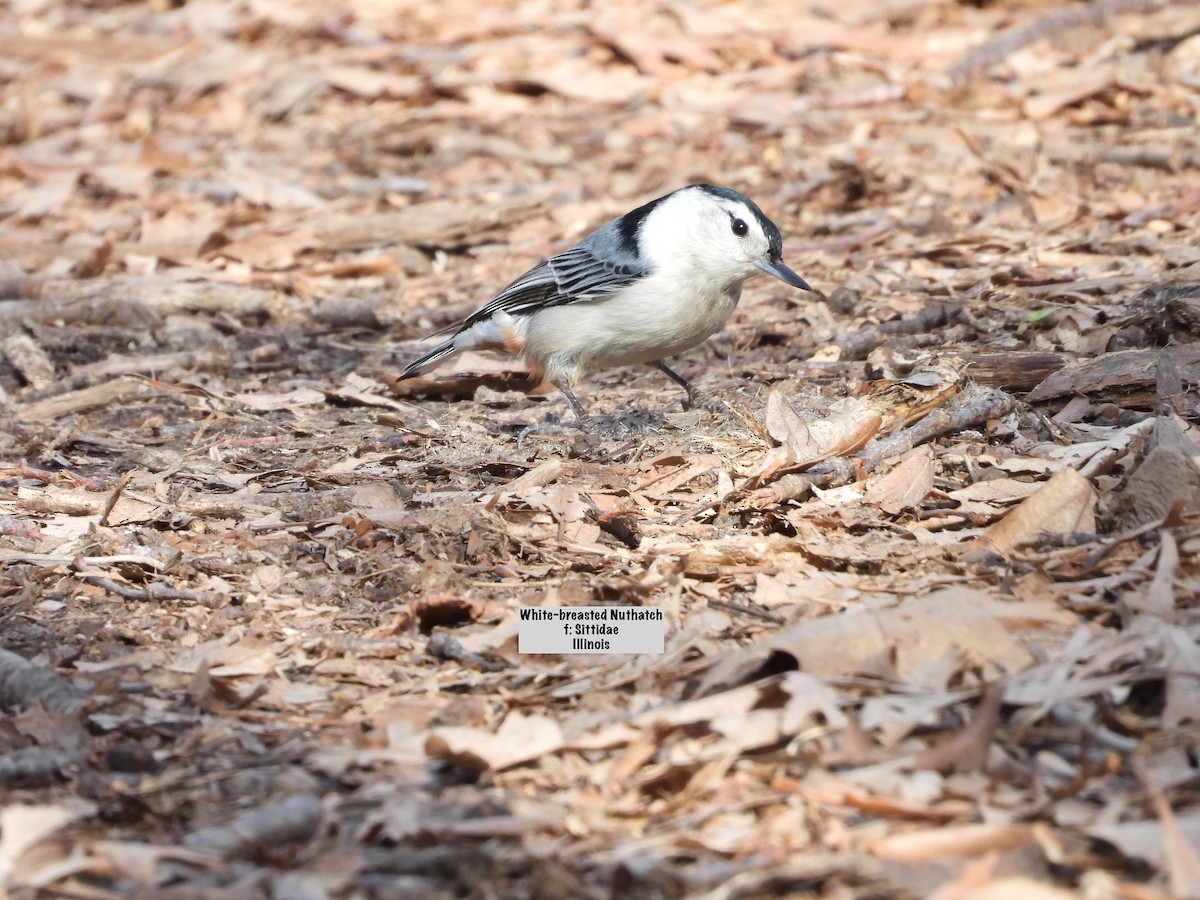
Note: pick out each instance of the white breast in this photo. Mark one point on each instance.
(641, 324)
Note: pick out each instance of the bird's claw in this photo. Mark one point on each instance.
(700, 400)
(621, 427)
(551, 426)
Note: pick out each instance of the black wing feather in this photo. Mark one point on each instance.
(575, 276)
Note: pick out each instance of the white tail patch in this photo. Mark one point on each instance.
(498, 332)
(430, 360)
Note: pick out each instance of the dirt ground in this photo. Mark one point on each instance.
(931, 590)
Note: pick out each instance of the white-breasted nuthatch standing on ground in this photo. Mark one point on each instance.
(650, 284)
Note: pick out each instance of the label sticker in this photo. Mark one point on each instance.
(591, 629)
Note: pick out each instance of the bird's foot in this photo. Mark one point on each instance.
(731, 414)
(551, 425)
(697, 399)
(614, 428)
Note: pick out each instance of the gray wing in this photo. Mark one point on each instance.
(575, 276)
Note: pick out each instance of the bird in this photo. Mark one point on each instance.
(648, 285)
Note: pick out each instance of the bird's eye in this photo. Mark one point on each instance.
(739, 227)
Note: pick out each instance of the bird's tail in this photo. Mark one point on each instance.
(430, 360)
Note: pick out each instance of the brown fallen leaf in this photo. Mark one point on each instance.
(437, 223)
(139, 861)
(24, 826)
(268, 188)
(519, 739)
(274, 198)
(997, 490)
(1167, 475)
(988, 631)
(967, 749)
(951, 841)
(577, 80)
(855, 747)
(245, 658)
(1066, 504)
(24, 684)
(840, 433)
(1069, 92)
(906, 398)
(804, 443)
(463, 387)
(1183, 859)
(1183, 677)
(371, 83)
(906, 485)
(1147, 839)
(268, 402)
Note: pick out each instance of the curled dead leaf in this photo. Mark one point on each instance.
(840, 433)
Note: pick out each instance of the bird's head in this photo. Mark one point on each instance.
(720, 233)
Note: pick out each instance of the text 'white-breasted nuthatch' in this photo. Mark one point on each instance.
(650, 284)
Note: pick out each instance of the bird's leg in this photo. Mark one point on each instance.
(582, 420)
(621, 426)
(577, 407)
(695, 396)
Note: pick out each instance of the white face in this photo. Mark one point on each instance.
(719, 237)
(736, 229)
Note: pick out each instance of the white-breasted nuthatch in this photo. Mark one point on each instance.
(652, 283)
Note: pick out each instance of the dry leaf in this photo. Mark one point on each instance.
(1066, 504)
(973, 626)
(1146, 839)
(265, 402)
(520, 739)
(906, 485)
(838, 434)
(952, 841)
(24, 826)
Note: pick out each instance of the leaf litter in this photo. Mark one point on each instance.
(931, 591)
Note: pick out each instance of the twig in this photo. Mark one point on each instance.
(116, 392)
(443, 645)
(152, 591)
(976, 404)
(24, 470)
(1013, 370)
(48, 560)
(113, 498)
(122, 299)
(188, 360)
(797, 485)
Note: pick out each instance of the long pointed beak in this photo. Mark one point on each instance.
(778, 270)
